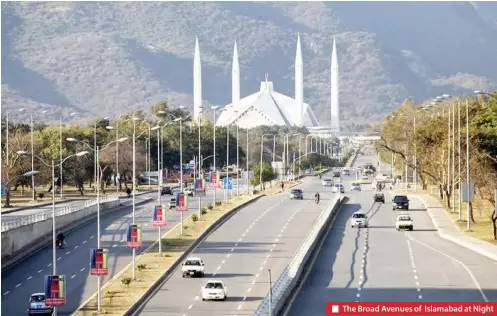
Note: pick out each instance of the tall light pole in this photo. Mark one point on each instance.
(7, 129)
(32, 157)
(227, 160)
(459, 159)
(60, 154)
(134, 137)
(467, 168)
(158, 128)
(214, 108)
(247, 163)
(95, 146)
(54, 227)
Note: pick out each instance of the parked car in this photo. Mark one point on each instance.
(296, 194)
(166, 190)
(327, 182)
(37, 306)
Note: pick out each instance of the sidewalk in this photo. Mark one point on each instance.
(447, 229)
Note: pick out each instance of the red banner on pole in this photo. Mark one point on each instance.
(160, 216)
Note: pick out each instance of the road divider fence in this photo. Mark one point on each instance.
(284, 286)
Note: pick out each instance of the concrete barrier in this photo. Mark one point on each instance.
(19, 243)
(284, 287)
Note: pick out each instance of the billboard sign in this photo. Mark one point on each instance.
(99, 260)
(159, 216)
(133, 236)
(55, 290)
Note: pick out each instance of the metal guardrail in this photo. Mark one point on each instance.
(64, 210)
(289, 274)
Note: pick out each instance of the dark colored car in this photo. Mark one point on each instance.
(400, 202)
(296, 194)
(336, 174)
(166, 190)
(379, 197)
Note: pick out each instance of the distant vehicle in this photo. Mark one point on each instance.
(365, 177)
(189, 190)
(381, 177)
(346, 172)
(193, 266)
(355, 187)
(359, 219)
(172, 203)
(214, 290)
(338, 187)
(327, 182)
(166, 190)
(400, 202)
(379, 197)
(404, 222)
(37, 306)
(336, 174)
(296, 194)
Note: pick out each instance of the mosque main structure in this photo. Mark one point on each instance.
(268, 107)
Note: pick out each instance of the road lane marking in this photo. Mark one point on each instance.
(18, 285)
(236, 245)
(114, 246)
(73, 276)
(59, 258)
(82, 270)
(218, 268)
(228, 255)
(232, 249)
(29, 278)
(7, 292)
(49, 265)
(76, 247)
(84, 241)
(249, 289)
(257, 275)
(68, 252)
(239, 307)
(253, 282)
(92, 237)
(190, 307)
(39, 271)
(244, 298)
(196, 298)
(222, 262)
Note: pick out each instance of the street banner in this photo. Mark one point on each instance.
(55, 290)
(181, 202)
(160, 216)
(99, 260)
(133, 236)
(199, 187)
(214, 179)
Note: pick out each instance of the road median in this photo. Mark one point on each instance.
(122, 294)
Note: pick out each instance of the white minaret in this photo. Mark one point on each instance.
(335, 105)
(299, 82)
(197, 82)
(235, 78)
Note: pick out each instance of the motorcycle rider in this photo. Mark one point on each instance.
(60, 238)
(317, 197)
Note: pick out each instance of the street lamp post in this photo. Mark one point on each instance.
(467, 168)
(32, 158)
(180, 120)
(227, 192)
(237, 162)
(60, 155)
(95, 146)
(247, 163)
(459, 206)
(214, 108)
(54, 228)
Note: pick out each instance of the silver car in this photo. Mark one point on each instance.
(338, 187)
(355, 187)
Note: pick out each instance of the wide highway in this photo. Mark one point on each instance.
(262, 236)
(381, 264)
(20, 281)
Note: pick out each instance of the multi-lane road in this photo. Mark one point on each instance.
(261, 236)
(20, 281)
(379, 263)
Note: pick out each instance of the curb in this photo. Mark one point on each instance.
(138, 305)
(455, 239)
(44, 241)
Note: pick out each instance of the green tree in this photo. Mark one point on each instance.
(267, 175)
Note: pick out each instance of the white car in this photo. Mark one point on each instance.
(327, 182)
(359, 219)
(193, 266)
(355, 187)
(338, 187)
(404, 222)
(37, 306)
(365, 177)
(189, 191)
(214, 290)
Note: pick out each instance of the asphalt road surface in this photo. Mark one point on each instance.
(379, 263)
(20, 281)
(261, 236)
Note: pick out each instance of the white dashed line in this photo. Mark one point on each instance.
(249, 289)
(94, 236)
(7, 292)
(253, 282)
(39, 271)
(222, 262)
(257, 275)
(29, 278)
(82, 270)
(232, 249)
(84, 241)
(73, 276)
(59, 258)
(244, 298)
(76, 247)
(239, 307)
(113, 246)
(196, 298)
(228, 255)
(418, 288)
(218, 268)
(68, 252)
(190, 307)
(49, 265)
(18, 285)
